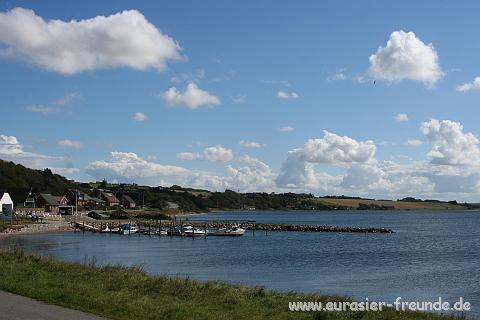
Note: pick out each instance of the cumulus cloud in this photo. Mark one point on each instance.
(449, 171)
(286, 95)
(252, 174)
(450, 145)
(286, 129)
(406, 57)
(12, 150)
(70, 144)
(474, 85)
(139, 116)
(335, 149)
(193, 97)
(125, 39)
(298, 169)
(401, 117)
(250, 144)
(214, 154)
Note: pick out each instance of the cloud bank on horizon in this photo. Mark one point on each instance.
(443, 159)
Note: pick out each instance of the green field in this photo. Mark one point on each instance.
(129, 293)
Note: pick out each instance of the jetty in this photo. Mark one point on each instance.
(170, 225)
(251, 225)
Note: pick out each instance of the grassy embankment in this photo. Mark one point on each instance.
(129, 293)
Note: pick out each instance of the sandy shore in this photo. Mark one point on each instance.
(47, 226)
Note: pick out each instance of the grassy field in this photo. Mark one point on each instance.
(129, 293)
(398, 205)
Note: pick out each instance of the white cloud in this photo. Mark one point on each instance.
(214, 154)
(401, 117)
(250, 144)
(285, 95)
(70, 144)
(189, 156)
(139, 116)
(12, 150)
(286, 129)
(474, 85)
(193, 97)
(450, 145)
(217, 153)
(406, 57)
(298, 169)
(252, 175)
(124, 39)
(414, 142)
(335, 149)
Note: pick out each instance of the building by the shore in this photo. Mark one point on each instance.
(54, 204)
(6, 203)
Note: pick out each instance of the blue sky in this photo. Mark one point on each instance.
(241, 58)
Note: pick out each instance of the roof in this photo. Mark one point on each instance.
(110, 197)
(95, 199)
(51, 200)
(20, 195)
(128, 199)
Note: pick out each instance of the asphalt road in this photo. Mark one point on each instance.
(15, 307)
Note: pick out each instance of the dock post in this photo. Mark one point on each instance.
(149, 232)
(171, 229)
(129, 226)
(266, 230)
(110, 227)
(83, 229)
(254, 229)
(181, 228)
(205, 230)
(101, 226)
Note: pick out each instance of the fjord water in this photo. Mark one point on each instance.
(431, 254)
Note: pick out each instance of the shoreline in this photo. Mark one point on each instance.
(95, 289)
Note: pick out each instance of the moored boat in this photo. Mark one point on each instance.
(233, 231)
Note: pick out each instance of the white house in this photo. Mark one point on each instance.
(6, 203)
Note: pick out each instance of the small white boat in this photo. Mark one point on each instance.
(126, 229)
(106, 230)
(163, 232)
(193, 232)
(233, 231)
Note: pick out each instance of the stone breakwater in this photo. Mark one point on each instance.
(288, 227)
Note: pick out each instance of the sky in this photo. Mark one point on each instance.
(361, 98)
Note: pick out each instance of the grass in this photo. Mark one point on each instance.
(120, 292)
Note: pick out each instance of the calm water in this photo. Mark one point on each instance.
(430, 255)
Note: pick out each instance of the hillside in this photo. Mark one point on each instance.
(17, 176)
